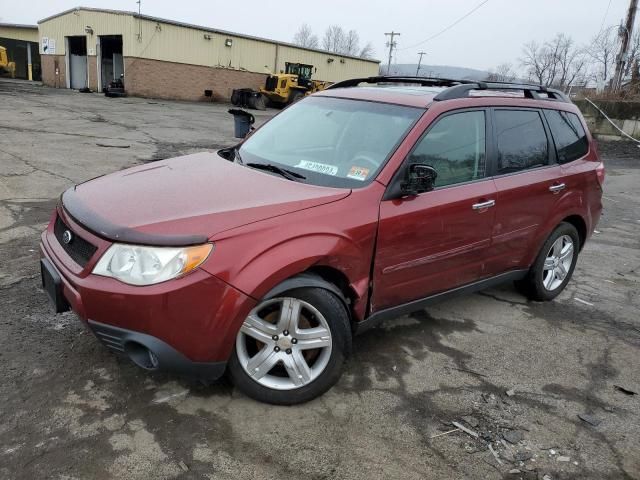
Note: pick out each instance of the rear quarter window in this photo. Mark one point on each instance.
(568, 135)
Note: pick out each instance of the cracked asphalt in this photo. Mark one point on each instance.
(69, 409)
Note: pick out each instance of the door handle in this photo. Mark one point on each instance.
(557, 188)
(483, 205)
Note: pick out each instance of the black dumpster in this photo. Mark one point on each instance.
(242, 122)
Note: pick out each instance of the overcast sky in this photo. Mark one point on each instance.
(491, 35)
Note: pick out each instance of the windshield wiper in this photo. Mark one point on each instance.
(269, 167)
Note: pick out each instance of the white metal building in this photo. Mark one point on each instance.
(87, 48)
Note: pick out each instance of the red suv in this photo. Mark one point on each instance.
(363, 202)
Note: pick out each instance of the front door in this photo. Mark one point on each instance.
(437, 240)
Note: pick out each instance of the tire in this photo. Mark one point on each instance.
(260, 103)
(295, 96)
(265, 342)
(547, 277)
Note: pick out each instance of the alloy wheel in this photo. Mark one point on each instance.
(284, 343)
(558, 262)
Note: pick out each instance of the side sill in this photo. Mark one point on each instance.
(415, 305)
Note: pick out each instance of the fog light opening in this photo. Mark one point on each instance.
(142, 356)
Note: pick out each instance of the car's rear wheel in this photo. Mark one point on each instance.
(291, 348)
(554, 265)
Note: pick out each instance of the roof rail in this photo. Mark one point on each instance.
(458, 88)
(424, 81)
(530, 91)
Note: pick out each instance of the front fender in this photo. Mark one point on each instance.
(255, 268)
(338, 236)
(267, 265)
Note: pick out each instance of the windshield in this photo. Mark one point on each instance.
(298, 69)
(333, 142)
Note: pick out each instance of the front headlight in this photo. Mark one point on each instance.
(138, 265)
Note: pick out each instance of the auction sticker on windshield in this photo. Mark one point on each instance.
(358, 173)
(318, 167)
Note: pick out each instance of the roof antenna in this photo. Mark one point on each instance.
(139, 2)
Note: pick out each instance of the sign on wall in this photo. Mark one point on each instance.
(48, 46)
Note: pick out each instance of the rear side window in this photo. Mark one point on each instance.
(522, 141)
(455, 148)
(568, 135)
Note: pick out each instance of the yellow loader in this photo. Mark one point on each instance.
(280, 89)
(6, 67)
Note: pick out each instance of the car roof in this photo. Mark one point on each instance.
(410, 96)
(421, 92)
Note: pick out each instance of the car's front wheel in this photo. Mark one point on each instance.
(291, 348)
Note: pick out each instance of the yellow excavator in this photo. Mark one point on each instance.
(281, 89)
(6, 67)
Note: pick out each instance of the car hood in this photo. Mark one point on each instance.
(186, 200)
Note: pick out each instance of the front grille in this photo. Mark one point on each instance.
(271, 83)
(78, 248)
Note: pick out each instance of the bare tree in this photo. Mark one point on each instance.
(536, 60)
(305, 37)
(334, 39)
(351, 43)
(557, 62)
(502, 73)
(366, 51)
(602, 52)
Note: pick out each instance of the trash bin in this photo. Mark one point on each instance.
(242, 122)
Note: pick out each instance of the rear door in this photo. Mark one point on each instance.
(437, 240)
(528, 181)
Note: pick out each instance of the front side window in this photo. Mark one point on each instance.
(568, 135)
(332, 142)
(522, 141)
(455, 147)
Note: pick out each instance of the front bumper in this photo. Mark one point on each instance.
(191, 321)
(151, 353)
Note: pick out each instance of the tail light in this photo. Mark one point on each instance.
(600, 173)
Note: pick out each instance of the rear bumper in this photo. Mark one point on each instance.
(151, 353)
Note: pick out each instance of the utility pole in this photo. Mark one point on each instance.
(391, 44)
(624, 46)
(420, 62)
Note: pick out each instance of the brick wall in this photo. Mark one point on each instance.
(159, 79)
(49, 77)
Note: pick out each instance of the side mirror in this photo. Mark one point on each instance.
(420, 178)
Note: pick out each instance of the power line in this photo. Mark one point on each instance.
(606, 12)
(448, 27)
